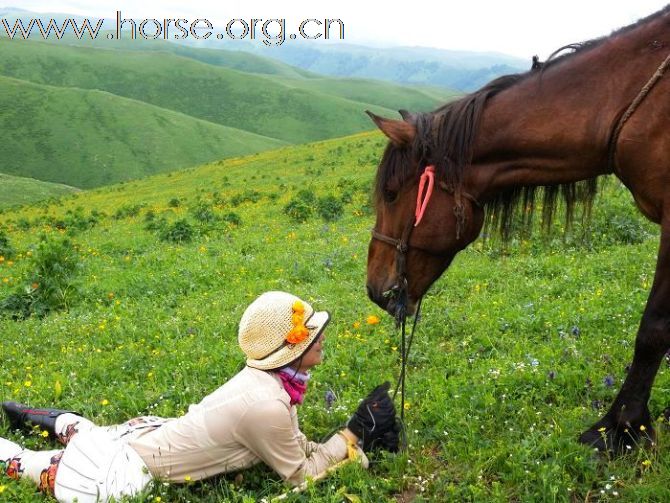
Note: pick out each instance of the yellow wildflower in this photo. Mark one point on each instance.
(357, 324)
(643, 427)
(407, 406)
(646, 463)
(372, 320)
(187, 478)
(104, 402)
(44, 433)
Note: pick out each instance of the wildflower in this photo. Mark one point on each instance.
(357, 324)
(576, 331)
(407, 405)
(44, 433)
(2, 489)
(104, 402)
(646, 463)
(372, 320)
(35, 286)
(552, 375)
(187, 478)
(2, 259)
(602, 429)
(643, 427)
(28, 384)
(158, 499)
(608, 381)
(330, 398)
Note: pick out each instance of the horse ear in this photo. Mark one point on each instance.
(401, 133)
(407, 116)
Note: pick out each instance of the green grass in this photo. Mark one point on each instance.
(88, 138)
(508, 365)
(16, 190)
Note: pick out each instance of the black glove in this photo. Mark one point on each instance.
(374, 422)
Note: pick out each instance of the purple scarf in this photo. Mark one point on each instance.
(295, 384)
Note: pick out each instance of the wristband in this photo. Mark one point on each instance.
(352, 447)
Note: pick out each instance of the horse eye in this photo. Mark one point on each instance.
(390, 195)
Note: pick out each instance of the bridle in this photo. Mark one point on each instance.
(402, 246)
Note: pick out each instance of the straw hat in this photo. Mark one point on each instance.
(266, 324)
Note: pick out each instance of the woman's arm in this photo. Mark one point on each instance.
(267, 429)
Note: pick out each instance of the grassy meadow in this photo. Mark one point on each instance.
(15, 190)
(517, 352)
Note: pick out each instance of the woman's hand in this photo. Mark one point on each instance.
(374, 422)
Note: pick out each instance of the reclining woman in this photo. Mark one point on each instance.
(252, 418)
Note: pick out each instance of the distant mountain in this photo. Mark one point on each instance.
(16, 190)
(88, 138)
(461, 70)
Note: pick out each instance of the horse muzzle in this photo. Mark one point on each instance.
(392, 301)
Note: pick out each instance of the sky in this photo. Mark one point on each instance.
(514, 27)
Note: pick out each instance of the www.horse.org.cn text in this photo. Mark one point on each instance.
(269, 31)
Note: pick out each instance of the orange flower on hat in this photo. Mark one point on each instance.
(299, 331)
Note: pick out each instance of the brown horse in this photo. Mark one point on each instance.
(602, 108)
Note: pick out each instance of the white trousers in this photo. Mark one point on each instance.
(98, 464)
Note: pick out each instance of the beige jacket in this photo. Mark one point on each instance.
(247, 420)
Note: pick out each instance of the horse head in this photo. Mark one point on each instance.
(418, 230)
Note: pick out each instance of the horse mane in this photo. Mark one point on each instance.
(446, 136)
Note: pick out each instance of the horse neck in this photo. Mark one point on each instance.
(554, 126)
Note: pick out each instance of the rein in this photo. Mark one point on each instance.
(614, 140)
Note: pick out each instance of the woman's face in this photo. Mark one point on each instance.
(313, 356)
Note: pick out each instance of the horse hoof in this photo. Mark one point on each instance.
(615, 439)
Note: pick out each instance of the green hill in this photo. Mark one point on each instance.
(237, 60)
(16, 190)
(375, 92)
(88, 138)
(517, 351)
(252, 102)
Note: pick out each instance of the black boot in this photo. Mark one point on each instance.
(22, 417)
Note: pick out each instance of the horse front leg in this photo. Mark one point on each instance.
(628, 421)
